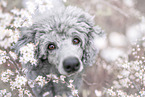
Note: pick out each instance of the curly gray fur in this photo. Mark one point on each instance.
(59, 27)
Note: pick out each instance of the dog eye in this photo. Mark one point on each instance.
(51, 46)
(76, 41)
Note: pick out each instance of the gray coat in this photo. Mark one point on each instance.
(60, 27)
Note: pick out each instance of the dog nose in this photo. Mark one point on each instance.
(71, 65)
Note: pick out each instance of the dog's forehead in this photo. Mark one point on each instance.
(53, 36)
(63, 20)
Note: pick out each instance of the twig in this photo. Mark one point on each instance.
(88, 83)
(12, 60)
(15, 64)
(135, 86)
(115, 8)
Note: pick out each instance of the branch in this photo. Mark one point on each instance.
(12, 60)
(115, 8)
(88, 83)
(136, 86)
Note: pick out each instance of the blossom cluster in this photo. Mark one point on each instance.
(10, 23)
(3, 56)
(16, 18)
(39, 5)
(40, 80)
(16, 82)
(131, 74)
(24, 92)
(5, 76)
(27, 54)
(55, 79)
(8, 36)
(19, 83)
(4, 93)
(22, 18)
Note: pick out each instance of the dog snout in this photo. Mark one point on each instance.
(71, 64)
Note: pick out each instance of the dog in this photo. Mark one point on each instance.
(66, 46)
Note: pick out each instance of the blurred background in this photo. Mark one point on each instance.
(124, 24)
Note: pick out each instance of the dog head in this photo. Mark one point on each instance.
(65, 37)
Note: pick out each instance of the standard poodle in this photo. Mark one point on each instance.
(65, 40)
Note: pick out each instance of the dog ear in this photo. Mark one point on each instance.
(91, 49)
(27, 36)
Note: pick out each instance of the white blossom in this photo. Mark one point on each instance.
(135, 32)
(70, 86)
(21, 80)
(21, 92)
(13, 55)
(62, 77)
(28, 93)
(98, 93)
(42, 5)
(111, 92)
(111, 54)
(27, 53)
(74, 92)
(129, 3)
(4, 3)
(41, 81)
(46, 94)
(4, 93)
(117, 39)
(142, 93)
(100, 43)
(5, 76)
